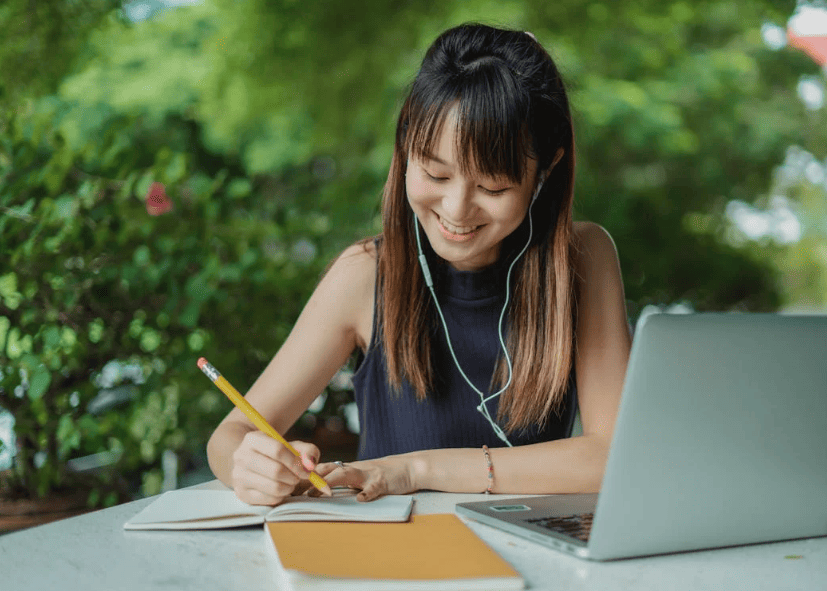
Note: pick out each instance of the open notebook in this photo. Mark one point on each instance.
(217, 509)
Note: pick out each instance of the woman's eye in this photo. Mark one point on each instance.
(439, 179)
(497, 192)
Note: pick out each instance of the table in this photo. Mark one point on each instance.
(92, 552)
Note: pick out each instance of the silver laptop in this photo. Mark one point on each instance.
(720, 440)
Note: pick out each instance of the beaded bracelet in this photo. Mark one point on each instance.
(490, 488)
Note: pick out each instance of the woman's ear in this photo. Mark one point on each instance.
(557, 157)
(547, 171)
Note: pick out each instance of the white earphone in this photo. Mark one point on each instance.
(482, 408)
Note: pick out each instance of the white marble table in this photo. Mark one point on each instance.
(93, 553)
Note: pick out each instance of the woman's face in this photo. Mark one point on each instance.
(465, 218)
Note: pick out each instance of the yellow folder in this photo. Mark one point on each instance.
(428, 552)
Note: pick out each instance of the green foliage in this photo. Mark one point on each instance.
(680, 108)
(89, 277)
(41, 40)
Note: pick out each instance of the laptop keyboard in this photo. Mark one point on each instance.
(576, 526)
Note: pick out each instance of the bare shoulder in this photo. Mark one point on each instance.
(355, 268)
(362, 252)
(595, 250)
(592, 237)
(350, 280)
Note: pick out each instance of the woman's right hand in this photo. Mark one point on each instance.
(264, 472)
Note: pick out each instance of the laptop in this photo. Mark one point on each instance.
(720, 440)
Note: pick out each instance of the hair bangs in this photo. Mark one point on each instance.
(491, 121)
(425, 122)
(492, 131)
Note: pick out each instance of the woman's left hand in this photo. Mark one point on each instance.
(392, 475)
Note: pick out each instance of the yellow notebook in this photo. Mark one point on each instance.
(430, 552)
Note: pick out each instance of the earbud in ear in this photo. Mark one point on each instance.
(557, 157)
(539, 186)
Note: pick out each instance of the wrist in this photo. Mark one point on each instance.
(418, 471)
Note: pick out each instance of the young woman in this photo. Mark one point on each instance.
(482, 315)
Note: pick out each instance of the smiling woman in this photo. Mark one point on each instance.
(461, 208)
(480, 186)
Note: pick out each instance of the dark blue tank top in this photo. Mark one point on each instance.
(392, 423)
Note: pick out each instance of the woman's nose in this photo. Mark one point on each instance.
(458, 203)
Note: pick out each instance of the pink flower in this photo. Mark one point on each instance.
(157, 201)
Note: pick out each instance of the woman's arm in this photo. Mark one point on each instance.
(562, 466)
(260, 469)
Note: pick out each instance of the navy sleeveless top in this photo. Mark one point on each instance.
(394, 423)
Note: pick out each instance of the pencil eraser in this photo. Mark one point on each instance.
(201, 363)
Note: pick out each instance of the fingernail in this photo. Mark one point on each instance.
(308, 463)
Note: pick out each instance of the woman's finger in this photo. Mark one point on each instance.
(273, 469)
(258, 490)
(326, 468)
(277, 485)
(346, 475)
(269, 447)
(256, 497)
(372, 490)
(309, 453)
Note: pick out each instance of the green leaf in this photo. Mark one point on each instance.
(197, 288)
(68, 436)
(51, 337)
(142, 185)
(15, 345)
(238, 188)
(5, 323)
(96, 330)
(195, 341)
(22, 211)
(176, 169)
(8, 284)
(111, 499)
(141, 255)
(150, 340)
(136, 327)
(8, 291)
(94, 497)
(189, 317)
(68, 338)
(39, 383)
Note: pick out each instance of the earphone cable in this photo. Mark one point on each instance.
(482, 408)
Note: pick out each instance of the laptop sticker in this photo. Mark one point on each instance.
(505, 508)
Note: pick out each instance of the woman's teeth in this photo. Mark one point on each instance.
(457, 229)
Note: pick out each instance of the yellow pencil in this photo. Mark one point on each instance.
(252, 414)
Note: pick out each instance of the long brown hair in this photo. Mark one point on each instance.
(512, 104)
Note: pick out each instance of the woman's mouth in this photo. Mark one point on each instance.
(457, 233)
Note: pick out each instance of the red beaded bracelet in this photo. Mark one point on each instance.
(490, 488)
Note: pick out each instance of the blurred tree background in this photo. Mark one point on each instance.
(174, 181)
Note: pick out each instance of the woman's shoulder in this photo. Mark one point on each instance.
(350, 282)
(359, 257)
(355, 267)
(588, 233)
(592, 240)
(595, 253)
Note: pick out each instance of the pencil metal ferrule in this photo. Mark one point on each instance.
(211, 372)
